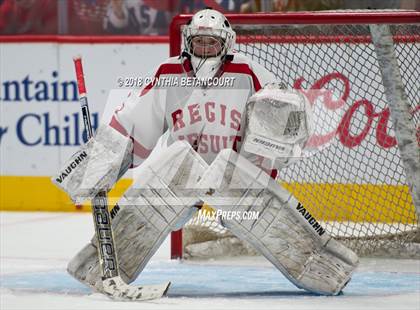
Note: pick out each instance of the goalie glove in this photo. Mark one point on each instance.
(279, 122)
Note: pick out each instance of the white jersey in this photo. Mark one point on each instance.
(209, 118)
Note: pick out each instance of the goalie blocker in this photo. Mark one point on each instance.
(97, 166)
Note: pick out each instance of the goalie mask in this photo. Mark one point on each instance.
(208, 37)
(279, 123)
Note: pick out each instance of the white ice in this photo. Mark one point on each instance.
(35, 248)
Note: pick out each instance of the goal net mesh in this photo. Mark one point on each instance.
(357, 186)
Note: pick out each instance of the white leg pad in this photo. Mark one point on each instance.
(297, 245)
(158, 202)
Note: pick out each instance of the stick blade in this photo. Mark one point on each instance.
(117, 289)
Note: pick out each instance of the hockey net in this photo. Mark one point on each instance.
(357, 187)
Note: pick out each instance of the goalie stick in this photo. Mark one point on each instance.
(113, 284)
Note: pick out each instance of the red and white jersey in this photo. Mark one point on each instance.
(209, 118)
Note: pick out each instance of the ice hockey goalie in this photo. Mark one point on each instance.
(216, 145)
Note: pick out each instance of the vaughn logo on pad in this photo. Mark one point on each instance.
(311, 220)
(71, 167)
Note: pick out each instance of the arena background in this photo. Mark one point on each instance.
(40, 125)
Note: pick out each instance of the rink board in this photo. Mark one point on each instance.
(343, 200)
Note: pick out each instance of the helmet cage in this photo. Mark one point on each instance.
(225, 37)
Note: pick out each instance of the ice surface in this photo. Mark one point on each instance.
(35, 248)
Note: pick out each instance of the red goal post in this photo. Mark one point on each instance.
(349, 32)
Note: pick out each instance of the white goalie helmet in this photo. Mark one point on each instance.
(207, 38)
